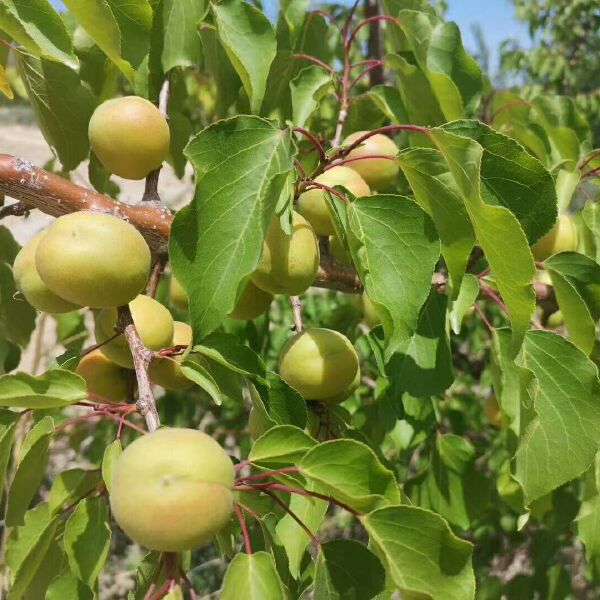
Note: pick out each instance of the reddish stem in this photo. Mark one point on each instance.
(260, 476)
(240, 516)
(493, 296)
(294, 516)
(365, 72)
(247, 509)
(484, 318)
(316, 184)
(589, 159)
(349, 19)
(362, 63)
(591, 173)
(315, 142)
(245, 463)
(315, 61)
(300, 168)
(387, 129)
(351, 160)
(374, 19)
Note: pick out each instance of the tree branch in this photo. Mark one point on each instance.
(142, 357)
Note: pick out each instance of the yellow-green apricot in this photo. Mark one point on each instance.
(369, 311)
(29, 283)
(319, 363)
(93, 259)
(562, 237)
(165, 371)
(379, 173)
(289, 263)
(492, 411)
(177, 295)
(252, 303)
(312, 204)
(153, 323)
(103, 378)
(555, 320)
(129, 136)
(172, 489)
(346, 393)
(337, 250)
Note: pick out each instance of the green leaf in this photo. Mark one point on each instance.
(395, 248)
(53, 562)
(560, 441)
(134, 19)
(347, 570)
(195, 372)
(227, 350)
(423, 365)
(53, 389)
(436, 193)
(36, 26)
(68, 586)
(249, 40)
(252, 577)
(70, 485)
(588, 529)
(451, 486)
(453, 75)
(389, 102)
(98, 20)
(33, 457)
(591, 217)
(293, 537)
(497, 229)
(286, 405)
(350, 472)
(109, 460)
(9, 248)
(17, 317)
(512, 178)
(26, 547)
(423, 556)
(147, 571)
(88, 528)
(307, 89)
(283, 444)
(469, 290)
(8, 423)
(62, 106)
(256, 156)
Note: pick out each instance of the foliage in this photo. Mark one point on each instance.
(464, 458)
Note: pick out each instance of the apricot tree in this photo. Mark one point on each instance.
(359, 360)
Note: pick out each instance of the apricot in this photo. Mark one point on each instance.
(337, 250)
(129, 136)
(372, 319)
(492, 411)
(379, 173)
(172, 489)
(562, 237)
(319, 363)
(30, 284)
(152, 320)
(103, 377)
(555, 320)
(346, 393)
(166, 372)
(93, 259)
(252, 303)
(177, 295)
(289, 263)
(312, 204)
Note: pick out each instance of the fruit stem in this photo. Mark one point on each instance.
(157, 271)
(297, 312)
(18, 209)
(142, 357)
(246, 536)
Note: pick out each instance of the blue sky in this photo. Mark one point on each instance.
(496, 18)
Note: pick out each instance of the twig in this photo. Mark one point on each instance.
(297, 312)
(315, 142)
(142, 357)
(18, 209)
(157, 271)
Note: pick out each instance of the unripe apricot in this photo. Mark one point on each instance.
(93, 259)
(103, 377)
(346, 393)
(312, 204)
(30, 284)
(153, 323)
(172, 489)
(289, 263)
(372, 319)
(379, 173)
(319, 363)
(166, 372)
(337, 250)
(562, 237)
(492, 411)
(555, 320)
(252, 303)
(177, 295)
(129, 136)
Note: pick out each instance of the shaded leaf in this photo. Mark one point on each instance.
(469, 290)
(8, 423)
(252, 577)
(68, 586)
(307, 88)
(17, 316)
(70, 485)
